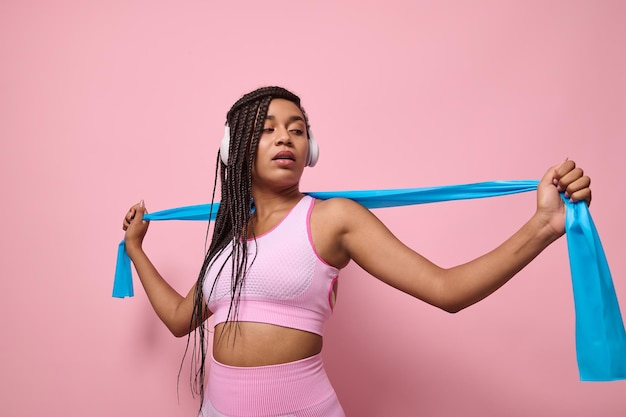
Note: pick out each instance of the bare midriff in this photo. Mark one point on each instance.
(248, 344)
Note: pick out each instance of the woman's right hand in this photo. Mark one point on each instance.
(135, 226)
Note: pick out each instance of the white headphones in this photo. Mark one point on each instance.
(311, 157)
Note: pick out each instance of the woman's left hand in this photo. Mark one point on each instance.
(567, 179)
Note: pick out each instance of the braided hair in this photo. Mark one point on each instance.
(232, 227)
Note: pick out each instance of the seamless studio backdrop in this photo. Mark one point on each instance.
(106, 103)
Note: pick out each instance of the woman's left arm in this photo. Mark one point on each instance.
(370, 244)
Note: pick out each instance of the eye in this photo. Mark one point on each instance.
(268, 130)
(298, 132)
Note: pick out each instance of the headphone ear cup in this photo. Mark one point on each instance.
(314, 151)
(225, 145)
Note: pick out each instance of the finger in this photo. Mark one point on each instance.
(579, 189)
(135, 210)
(128, 218)
(578, 183)
(582, 195)
(139, 213)
(561, 173)
(570, 178)
(564, 167)
(131, 213)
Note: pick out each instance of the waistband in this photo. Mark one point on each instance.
(268, 390)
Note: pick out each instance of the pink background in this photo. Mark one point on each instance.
(104, 103)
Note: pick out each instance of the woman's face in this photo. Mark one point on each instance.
(283, 146)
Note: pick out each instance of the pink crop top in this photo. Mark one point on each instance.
(287, 285)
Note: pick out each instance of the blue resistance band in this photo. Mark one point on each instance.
(600, 335)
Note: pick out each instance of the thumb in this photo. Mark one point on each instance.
(141, 210)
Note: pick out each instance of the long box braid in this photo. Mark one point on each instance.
(246, 120)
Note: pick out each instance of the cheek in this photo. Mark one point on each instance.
(263, 145)
(305, 148)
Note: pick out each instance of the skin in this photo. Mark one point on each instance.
(343, 230)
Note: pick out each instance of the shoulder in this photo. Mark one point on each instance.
(341, 214)
(343, 229)
(331, 221)
(338, 208)
(337, 204)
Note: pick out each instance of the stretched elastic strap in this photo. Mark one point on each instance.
(600, 335)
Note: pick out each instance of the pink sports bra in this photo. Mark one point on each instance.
(287, 283)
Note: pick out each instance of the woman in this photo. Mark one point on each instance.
(269, 276)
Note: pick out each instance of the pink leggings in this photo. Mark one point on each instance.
(294, 389)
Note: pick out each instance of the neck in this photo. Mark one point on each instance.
(266, 201)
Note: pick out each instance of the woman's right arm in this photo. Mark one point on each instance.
(174, 310)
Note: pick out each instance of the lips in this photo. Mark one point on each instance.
(284, 155)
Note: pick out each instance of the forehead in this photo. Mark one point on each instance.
(281, 108)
